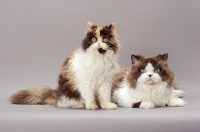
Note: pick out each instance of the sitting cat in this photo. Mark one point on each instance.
(86, 76)
(148, 84)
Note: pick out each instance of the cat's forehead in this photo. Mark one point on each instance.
(149, 60)
(149, 67)
(97, 31)
(150, 63)
(101, 31)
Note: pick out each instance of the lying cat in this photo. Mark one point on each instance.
(148, 84)
(86, 76)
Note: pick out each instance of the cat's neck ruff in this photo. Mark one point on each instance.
(95, 55)
(151, 87)
(91, 58)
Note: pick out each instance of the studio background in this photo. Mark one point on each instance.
(36, 36)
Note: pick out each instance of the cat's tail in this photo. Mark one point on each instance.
(40, 96)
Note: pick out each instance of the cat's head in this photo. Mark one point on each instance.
(150, 70)
(101, 39)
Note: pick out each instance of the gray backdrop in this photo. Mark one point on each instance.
(36, 36)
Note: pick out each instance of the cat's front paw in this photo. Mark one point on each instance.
(91, 106)
(108, 106)
(179, 93)
(80, 106)
(177, 102)
(147, 105)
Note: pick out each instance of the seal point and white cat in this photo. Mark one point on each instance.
(85, 79)
(149, 83)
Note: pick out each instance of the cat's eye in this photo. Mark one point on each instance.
(157, 70)
(94, 39)
(105, 40)
(142, 70)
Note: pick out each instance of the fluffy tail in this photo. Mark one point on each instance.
(40, 96)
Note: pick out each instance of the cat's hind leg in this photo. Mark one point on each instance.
(123, 98)
(128, 103)
(65, 102)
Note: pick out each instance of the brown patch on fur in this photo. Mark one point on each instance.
(94, 102)
(67, 72)
(97, 31)
(176, 87)
(35, 96)
(165, 73)
(113, 42)
(119, 77)
(102, 102)
(101, 51)
(66, 82)
(136, 105)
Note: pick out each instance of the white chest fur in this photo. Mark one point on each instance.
(94, 66)
(157, 93)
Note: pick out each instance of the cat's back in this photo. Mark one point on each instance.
(119, 78)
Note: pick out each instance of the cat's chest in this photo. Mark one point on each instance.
(152, 92)
(96, 66)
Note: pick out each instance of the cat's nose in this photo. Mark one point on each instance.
(150, 75)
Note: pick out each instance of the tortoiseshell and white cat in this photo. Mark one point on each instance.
(86, 76)
(148, 84)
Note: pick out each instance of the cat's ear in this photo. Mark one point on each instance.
(135, 58)
(113, 28)
(89, 27)
(163, 57)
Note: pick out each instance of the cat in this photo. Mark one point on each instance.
(85, 79)
(148, 84)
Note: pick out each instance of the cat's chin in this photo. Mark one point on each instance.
(101, 51)
(150, 82)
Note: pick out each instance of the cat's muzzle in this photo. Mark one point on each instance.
(151, 82)
(101, 51)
